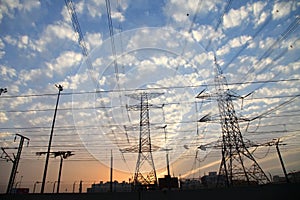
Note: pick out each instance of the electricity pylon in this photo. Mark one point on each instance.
(145, 172)
(235, 155)
(15, 162)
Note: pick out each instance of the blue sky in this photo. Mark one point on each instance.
(161, 46)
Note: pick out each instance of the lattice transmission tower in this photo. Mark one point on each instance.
(238, 164)
(145, 172)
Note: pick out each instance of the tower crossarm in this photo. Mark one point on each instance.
(138, 96)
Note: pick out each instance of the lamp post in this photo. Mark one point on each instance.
(60, 88)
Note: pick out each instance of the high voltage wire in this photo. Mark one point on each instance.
(79, 145)
(121, 106)
(70, 128)
(291, 28)
(78, 93)
(154, 88)
(213, 154)
(220, 20)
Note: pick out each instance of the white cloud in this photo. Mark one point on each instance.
(2, 52)
(178, 9)
(7, 72)
(258, 7)
(201, 58)
(233, 43)
(235, 17)
(29, 75)
(28, 5)
(72, 82)
(282, 9)
(161, 60)
(266, 43)
(8, 7)
(13, 89)
(23, 42)
(258, 11)
(3, 117)
(206, 33)
(255, 11)
(96, 8)
(65, 60)
(262, 18)
(146, 67)
(40, 120)
(19, 101)
(239, 41)
(118, 15)
(94, 40)
(10, 40)
(53, 33)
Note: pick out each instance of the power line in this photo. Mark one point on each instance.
(220, 20)
(124, 106)
(144, 89)
(291, 28)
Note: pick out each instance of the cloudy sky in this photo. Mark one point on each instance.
(162, 49)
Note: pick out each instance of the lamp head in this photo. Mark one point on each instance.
(60, 87)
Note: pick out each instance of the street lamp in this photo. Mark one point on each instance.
(3, 90)
(60, 88)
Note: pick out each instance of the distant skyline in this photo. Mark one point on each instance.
(164, 47)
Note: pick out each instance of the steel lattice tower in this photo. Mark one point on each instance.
(145, 172)
(235, 155)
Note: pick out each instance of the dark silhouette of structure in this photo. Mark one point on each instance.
(145, 173)
(60, 88)
(63, 155)
(235, 154)
(15, 162)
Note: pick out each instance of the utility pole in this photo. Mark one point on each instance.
(145, 172)
(63, 155)
(277, 142)
(80, 186)
(167, 154)
(60, 88)
(111, 171)
(281, 161)
(16, 162)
